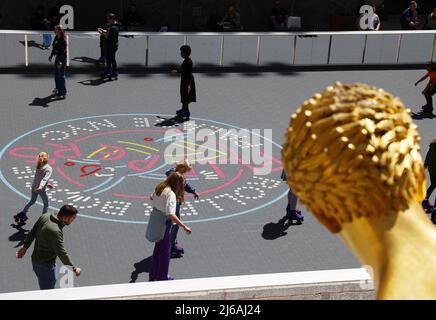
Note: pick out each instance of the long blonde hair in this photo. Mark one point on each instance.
(40, 164)
(177, 184)
(62, 31)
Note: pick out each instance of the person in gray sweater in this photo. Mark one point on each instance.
(39, 186)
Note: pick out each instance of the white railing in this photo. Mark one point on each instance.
(152, 49)
(202, 286)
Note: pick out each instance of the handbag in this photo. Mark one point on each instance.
(156, 226)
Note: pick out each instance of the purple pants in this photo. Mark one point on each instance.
(160, 262)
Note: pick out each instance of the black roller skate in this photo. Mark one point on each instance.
(177, 251)
(294, 215)
(20, 218)
(184, 115)
(428, 208)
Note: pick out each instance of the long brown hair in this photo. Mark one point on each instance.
(62, 30)
(177, 184)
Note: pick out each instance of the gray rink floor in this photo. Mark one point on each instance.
(108, 252)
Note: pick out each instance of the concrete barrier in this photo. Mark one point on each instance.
(343, 284)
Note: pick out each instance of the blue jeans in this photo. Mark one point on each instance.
(44, 198)
(175, 228)
(60, 77)
(46, 39)
(46, 275)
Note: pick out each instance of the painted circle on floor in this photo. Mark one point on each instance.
(107, 166)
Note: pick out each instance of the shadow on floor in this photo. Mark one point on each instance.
(142, 266)
(85, 60)
(417, 116)
(34, 44)
(272, 231)
(94, 82)
(44, 102)
(19, 236)
(169, 122)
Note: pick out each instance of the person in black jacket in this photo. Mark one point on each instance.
(60, 51)
(187, 83)
(430, 165)
(111, 35)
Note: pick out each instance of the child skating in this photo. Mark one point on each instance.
(292, 213)
(39, 185)
(187, 83)
(429, 90)
(182, 168)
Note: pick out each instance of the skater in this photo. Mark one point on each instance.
(430, 165)
(182, 168)
(291, 209)
(165, 198)
(60, 64)
(49, 245)
(187, 83)
(111, 34)
(39, 185)
(429, 90)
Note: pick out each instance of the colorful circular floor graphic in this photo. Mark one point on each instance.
(107, 166)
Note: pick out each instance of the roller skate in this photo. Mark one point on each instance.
(20, 218)
(177, 251)
(294, 215)
(106, 74)
(184, 115)
(433, 216)
(113, 76)
(428, 208)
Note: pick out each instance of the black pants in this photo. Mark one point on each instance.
(111, 62)
(428, 97)
(432, 185)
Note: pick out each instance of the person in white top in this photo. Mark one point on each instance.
(165, 198)
(40, 183)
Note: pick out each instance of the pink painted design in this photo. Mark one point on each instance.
(84, 168)
(63, 175)
(117, 153)
(218, 170)
(73, 150)
(133, 164)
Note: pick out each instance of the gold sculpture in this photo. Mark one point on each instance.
(351, 155)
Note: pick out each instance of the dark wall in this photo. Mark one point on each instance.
(316, 14)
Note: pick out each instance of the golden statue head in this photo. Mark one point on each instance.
(353, 151)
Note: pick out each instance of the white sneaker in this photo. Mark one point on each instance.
(55, 91)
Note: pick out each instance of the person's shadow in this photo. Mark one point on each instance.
(85, 60)
(33, 44)
(272, 231)
(142, 266)
(170, 122)
(44, 102)
(18, 236)
(419, 116)
(93, 82)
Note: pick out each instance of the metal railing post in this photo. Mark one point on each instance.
(26, 51)
(330, 49)
(364, 49)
